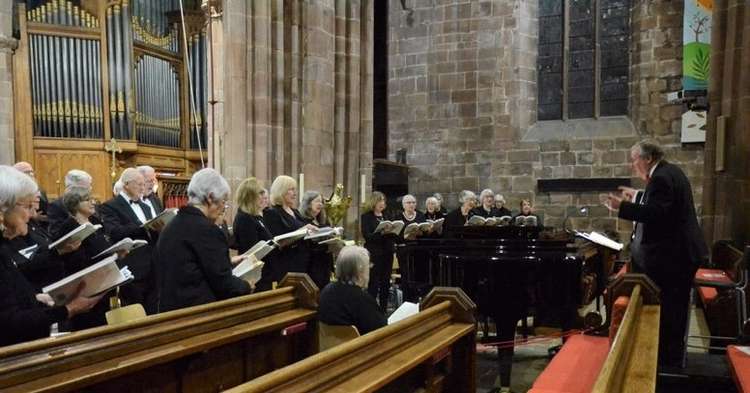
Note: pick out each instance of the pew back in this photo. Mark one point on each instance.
(632, 360)
(432, 351)
(208, 347)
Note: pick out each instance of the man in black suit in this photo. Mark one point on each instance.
(150, 198)
(76, 180)
(123, 216)
(667, 245)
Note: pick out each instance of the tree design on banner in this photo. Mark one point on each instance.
(696, 50)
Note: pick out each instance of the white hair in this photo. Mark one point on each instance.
(145, 169)
(353, 265)
(486, 192)
(466, 195)
(129, 175)
(499, 198)
(117, 188)
(433, 200)
(14, 185)
(76, 178)
(408, 198)
(206, 183)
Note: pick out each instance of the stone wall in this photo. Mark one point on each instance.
(7, 45)
(297, 92)
(462, 101)
(727, 191)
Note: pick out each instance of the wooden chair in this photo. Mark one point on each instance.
(330, 336)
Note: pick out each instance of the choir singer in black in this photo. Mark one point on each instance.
(192, 255)
(668, 244)
(380, 247)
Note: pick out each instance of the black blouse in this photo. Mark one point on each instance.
(375, 243)
(249, 230)
(434, 216)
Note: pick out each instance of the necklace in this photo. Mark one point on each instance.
(413, 216)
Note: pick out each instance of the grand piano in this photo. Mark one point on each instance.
(510, 272)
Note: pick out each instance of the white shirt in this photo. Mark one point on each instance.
(653, 168)
(150, 206)
(135, 207)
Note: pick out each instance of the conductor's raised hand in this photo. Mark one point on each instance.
(613, 202)
(628, 193)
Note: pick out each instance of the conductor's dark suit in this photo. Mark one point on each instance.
(668, 247)
(120, 222)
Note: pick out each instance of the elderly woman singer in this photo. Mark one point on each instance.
(192, 256)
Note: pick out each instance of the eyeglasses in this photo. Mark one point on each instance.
(28, 206)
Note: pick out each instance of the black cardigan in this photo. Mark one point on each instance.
(347, 304)
(248, 230)
(23, 317)
(192, 261)
(375, 243)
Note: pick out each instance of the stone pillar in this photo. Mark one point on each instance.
(726, 196)
(7, 45)
(297, 94)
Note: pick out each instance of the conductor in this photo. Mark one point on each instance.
(667, 245)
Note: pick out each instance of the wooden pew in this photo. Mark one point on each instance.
(632, 360)
(197, 349)
(432, 351)
(623, 362)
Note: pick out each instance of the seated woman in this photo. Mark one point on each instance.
(458, 217)
(432, 209)
(321, 260)
(281, 218)
(345, 301)
(527, 211)
(249, 227)
(487, 207)
(192, 263)
(500, 206)
(25, 313)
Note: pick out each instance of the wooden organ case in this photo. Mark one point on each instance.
(88, 72)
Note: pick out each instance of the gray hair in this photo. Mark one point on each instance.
(466, 195)
(486, 192)
(307, 201)
(14, 185)
(206, 183)
(499, 198)
(145, 169)
(76, 178)
(71, 200)
(353, 266)
(78, 191)
(129, 175)
(438, 196)
(408, 197)
(117, 188)
(648, 149)
(431, 199)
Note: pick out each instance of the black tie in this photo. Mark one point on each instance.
(146, 210)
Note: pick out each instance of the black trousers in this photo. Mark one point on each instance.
(675, 309)
(380, 278)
